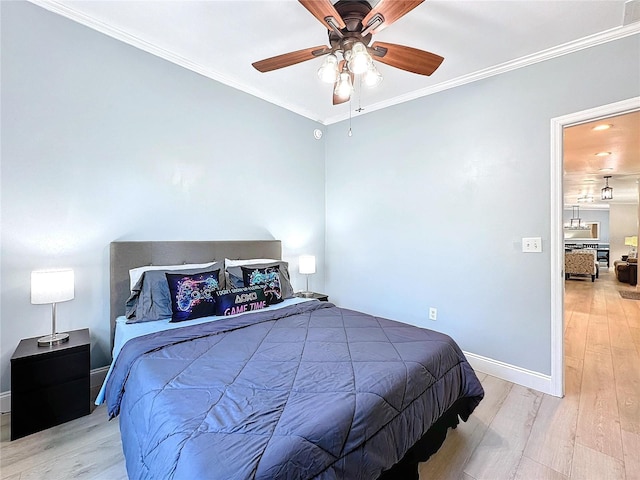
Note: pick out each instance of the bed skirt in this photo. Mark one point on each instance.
(407, 468)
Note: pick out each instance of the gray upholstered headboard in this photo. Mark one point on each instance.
(127, 255)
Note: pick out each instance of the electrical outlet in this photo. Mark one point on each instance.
(433, 313)
(532, 244)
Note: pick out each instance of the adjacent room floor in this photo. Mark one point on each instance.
(591, 433)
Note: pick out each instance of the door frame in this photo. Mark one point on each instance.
(557, 239)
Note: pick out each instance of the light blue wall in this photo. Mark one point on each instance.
(103, 142)
(428, 201)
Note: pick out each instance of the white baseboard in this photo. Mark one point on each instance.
(511, 373)
(96, 377)
(5, 402)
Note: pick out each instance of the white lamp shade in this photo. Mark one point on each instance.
(307, 264)
(52, 286)
(631, 241)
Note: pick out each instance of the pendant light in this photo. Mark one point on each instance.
(607, 191)
(575, 221)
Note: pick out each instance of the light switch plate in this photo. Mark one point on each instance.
(532, 244)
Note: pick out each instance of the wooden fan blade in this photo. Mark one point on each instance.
(323, 9)
(391, 10)
(406, 58)
(291, 58)
(336, 99)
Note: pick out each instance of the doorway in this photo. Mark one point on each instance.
(558, 126)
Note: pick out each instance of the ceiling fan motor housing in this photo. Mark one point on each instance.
(352, 13)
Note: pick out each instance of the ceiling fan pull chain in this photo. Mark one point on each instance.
(350, 132)
(359, 109)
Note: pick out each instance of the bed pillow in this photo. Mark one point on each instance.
(193, 296)
(136, 273)
(151, 298)
(268, 279)
(235, 276)
(237, 263)
(240, 300)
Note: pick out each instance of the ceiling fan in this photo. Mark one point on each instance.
(351, 24)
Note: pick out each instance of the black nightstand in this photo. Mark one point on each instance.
(318, 296)
(49, 385)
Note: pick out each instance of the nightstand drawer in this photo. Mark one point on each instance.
(50, 406)
(49, 370)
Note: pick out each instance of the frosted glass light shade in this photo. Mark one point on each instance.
(344, 87)
(360, 59)
(328, 72)
(52, 286)
(307, 264)
(372, 77)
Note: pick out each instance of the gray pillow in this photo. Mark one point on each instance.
(236, 279)
(150, 299)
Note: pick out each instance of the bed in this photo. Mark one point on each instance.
(299, 390)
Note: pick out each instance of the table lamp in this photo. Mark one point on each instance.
(307, 266)
(633, 243)
(52, 286)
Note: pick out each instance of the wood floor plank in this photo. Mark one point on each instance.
(635, 335)
(589, 464)
(620, 336)
(575, 336)
(615, 312)
(631, 444)
(12, 477)
(80, 462)
(530, 470)
(495, 392)
(632, 312)
(51, 444)
(626, 366)
(449, 461)
(599, 304)
(598, 420)
(598, 339)
(117, 471)
(554, 430)
(500, 450)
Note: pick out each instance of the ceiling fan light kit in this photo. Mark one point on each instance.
(350, 25)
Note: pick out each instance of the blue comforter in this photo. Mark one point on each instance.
(309, 391)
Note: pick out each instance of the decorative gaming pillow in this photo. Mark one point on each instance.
(193, 296)
(268, 278)
(235, 276)
(240, 300)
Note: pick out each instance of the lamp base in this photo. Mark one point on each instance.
(51, 340)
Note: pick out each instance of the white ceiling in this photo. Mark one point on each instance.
(584, 171)
(220, 39)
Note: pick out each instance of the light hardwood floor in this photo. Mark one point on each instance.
(515, 433)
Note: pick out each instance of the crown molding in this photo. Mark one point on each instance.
(560, 50)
